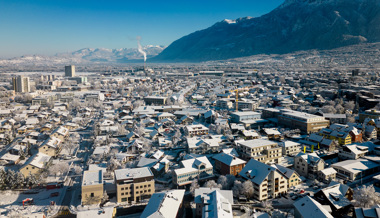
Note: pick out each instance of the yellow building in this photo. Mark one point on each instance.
(344, 138)
(60, 132)
(35, 164)
(291, 175)
(51, 146)
(134, 184)
(92, 187)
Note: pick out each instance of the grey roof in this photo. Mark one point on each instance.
(308, 207)
(134, 173)
(228, 159)
(164, 204)
(256, 171)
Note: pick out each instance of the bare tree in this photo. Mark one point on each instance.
(194, 185)
(237, 188)
(366, 196)
(212, 184)
(247, 188)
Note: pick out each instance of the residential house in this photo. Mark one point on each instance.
(166, 204)
(35, 164)
(51, 146)
(352, 152)
(228, 164)
(213, 202)
(199, 168)
(337, 196)
(291, 175)
(308, 165)
(268, 181)
(307, 207)
(327, 175)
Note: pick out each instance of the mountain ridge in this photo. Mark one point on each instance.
(294, 25)
(87, 56)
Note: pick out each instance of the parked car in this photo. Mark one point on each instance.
(54, 194)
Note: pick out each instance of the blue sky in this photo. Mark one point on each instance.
(51, 26)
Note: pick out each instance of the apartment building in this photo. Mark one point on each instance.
(198, 168)
(92, 187)
(134, 185)
(307, 123)
(165, 204)
(238, 117)
(308, 165)
(268, 181)
(261, 150)
(228, 164)
(194, 130)
(21, 84)
(343, 138)
(290, 148)
(213, 202)
(156, 100)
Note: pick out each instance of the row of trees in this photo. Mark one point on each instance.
(227, 182)
(10, 179)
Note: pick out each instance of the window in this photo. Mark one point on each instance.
(137, 187)
(92, 194)
(122, 189)
(122, 193)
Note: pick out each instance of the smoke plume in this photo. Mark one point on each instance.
(139, 47)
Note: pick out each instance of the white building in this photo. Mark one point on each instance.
(198, 168)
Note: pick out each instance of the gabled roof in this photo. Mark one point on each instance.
(228, 159)
(308, 207)
(164, 204)
(256, 171)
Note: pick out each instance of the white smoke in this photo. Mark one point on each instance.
(140, 48)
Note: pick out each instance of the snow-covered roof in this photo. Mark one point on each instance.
(92, 177)
(355, 166)
(216, 205)
(228, 159)
(134, 173)
(193, 164)
(39, 160)
(257, 143)
(164, 204)
(335, 196)
(104, 212)
(308, 207)
(256, 171)
(328, 171)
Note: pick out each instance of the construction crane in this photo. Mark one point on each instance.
(237, 94)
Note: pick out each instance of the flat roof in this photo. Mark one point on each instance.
(134, 173)
(257, 143)
(94, 177)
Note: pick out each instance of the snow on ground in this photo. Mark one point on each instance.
(11, 201)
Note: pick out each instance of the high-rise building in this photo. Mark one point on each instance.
(21, 84)
(70, 71)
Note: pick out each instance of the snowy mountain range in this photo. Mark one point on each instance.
(87, 55)
(293, 26)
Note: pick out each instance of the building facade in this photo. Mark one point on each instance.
(134, 185)
(70, 71)
(21, 84)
